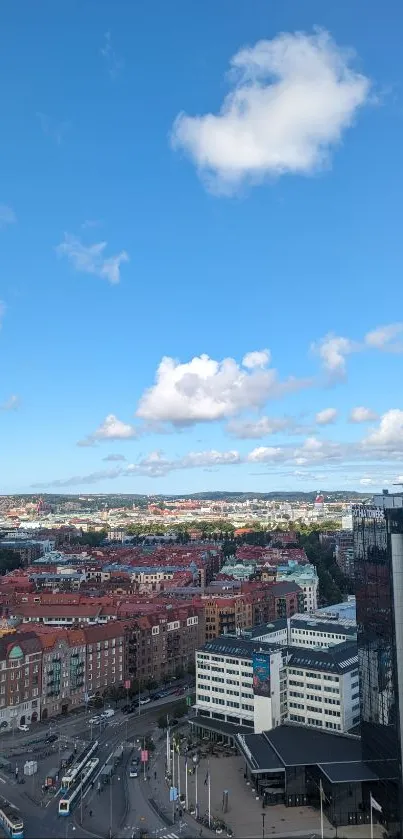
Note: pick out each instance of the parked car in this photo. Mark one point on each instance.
(51, 738)
(94, 720)
(23, 727)
(145, 701)
(108, 713)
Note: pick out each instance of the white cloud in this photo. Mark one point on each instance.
(250, 429)
(114, 457)
(111, 428)
(113, 63)
(257, 358)
(351, 460)
(292, 99)
(265, 454)
(7, 215)
(90, 259)
(361, 414)
(11, 404)
(382, 338)
(333, 349)
(327, 416)
(389, 433)
(202, 390)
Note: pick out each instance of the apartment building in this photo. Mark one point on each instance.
(306, 577)
(63, 671)
(317, 688)
(226, 615)
(20, 679)
(161, 644)
(105, 656)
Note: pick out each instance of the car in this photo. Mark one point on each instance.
(51, 738)
(108, 713)
(145, 701)
(23, 727)
(133, 772)
(94, 720)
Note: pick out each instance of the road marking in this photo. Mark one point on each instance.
(2, 780)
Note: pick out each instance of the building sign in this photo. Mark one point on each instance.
(261, 674)
(144, 755)
(361, 511)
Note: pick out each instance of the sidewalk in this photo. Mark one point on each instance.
(244, 814)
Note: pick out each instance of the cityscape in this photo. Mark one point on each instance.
(201, 432)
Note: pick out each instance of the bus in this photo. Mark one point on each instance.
(72, 795)
(10, 820)
(71, 776)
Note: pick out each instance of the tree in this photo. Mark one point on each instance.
(9, 561)
(179, 672)
(191, 668)
(162, 721)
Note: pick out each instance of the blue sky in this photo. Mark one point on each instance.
(217, 185)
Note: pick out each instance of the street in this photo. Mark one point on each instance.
(119, 809)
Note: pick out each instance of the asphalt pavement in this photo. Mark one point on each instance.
(119, 810)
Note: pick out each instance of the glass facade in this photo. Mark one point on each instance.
(378, 558)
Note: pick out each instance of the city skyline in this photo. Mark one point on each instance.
(200, 268)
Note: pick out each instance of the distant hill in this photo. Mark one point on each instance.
(129, 498)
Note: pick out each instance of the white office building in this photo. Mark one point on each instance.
(305, 631)
(314, 687)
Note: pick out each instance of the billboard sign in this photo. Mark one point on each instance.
(261, 674)
(127, 684)
(173, 793)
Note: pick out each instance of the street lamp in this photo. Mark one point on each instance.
(68, 824)
(263, 818)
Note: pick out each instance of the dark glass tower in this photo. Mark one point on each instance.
(378, 557)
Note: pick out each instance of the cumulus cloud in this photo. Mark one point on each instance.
(11, 404)
(257, 358)
(327, 416)
(333, 350)
(362, 414)
(383, 445)
(266, 454)
(203, 390)
(389, 433)
(291, 101)
(383, 337)
(91, 259)
(111, 428)
(7, 215)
